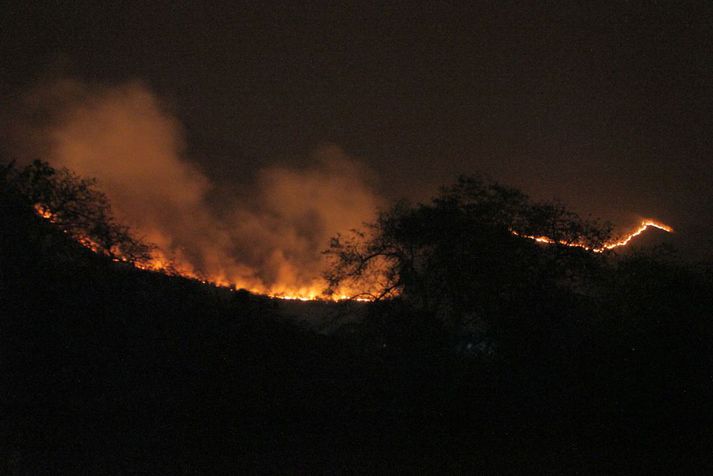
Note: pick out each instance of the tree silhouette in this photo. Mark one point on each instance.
(75, 206)
(551, 369)
(460, 256)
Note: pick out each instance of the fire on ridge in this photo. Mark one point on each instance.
(623, 241)
(160, 264)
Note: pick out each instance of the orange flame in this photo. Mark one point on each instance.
(625, 240)
(44, 212)
(645, 224)
(162, 264)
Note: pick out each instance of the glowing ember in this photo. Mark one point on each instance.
(44, 212)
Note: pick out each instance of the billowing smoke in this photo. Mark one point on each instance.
(270, 242)
(295, 213)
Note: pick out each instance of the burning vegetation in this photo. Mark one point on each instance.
(269, 238)
(609, 245)
(456, 255)
(397, 254)
(75, 206)
(265, 234)
(488, 333)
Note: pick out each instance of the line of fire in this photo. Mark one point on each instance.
(159, 264)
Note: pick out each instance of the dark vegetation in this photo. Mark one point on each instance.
(495, 355)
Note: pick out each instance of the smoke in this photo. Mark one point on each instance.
(296, 212)
(269, 242)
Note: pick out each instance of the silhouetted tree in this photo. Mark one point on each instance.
(75, 206)
(460, 257)
(102, 365)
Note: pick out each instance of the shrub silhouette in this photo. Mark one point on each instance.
(458, 257)
(498, 355)
(76, 207)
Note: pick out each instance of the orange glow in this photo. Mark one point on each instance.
(623, 241)
(161, 263)
(645, 224)
(44, 212)
(267, 239)
(313, 291)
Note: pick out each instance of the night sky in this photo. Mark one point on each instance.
(607, 107)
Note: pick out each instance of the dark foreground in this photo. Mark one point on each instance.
(108, 370)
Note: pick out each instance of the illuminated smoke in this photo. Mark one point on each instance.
(296, 213)
(270, 242)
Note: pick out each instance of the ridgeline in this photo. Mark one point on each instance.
(108, 369)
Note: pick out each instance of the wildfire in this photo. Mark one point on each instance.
(163, 264)
(44, 212)
(625, 240)
(642, 228)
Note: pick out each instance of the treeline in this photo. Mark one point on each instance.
(492, 354)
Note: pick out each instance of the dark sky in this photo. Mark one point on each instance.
(606, 105)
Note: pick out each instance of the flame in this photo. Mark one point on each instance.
(161, 263)
(267, 243)
(645, 224)
(44, 212)
(623, 241)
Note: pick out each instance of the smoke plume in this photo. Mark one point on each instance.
(270, 242)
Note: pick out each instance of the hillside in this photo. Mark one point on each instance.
(107, 369)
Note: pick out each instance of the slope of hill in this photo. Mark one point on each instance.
(107, 369)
